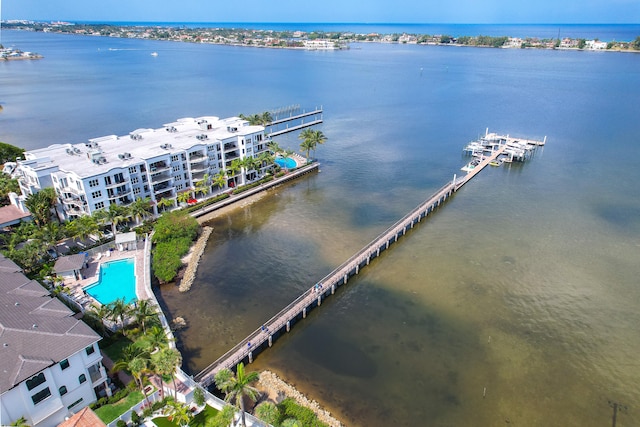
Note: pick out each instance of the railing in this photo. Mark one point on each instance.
(309, 296)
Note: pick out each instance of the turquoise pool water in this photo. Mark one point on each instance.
(117, 280)
(288, 163)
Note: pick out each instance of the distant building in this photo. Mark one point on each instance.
(595, 45)
(155, 163)
(50, 363)
(320, 44)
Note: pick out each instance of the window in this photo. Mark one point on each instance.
(179, 187)
(82, 378)
(96, 194)
(64, 364)
(134, 180)
(35, 381)
(132, 169)
(93, 183)
(186, 175)
(62, 390)
(146, 188)
(175, 158)
(175, 168)
(79, 185)
(99, 205)
(177, 178)
(90, 350)
(107, 180)
(41, 395)
(136, 191)
(75, 403)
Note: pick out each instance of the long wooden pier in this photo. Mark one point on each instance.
(282, 322)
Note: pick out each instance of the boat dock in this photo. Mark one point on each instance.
(281, 323)
(295, 115)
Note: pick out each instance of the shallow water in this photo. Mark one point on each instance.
(517, 302)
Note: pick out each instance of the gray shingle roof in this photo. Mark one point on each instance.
(36, 330)
(69, 263)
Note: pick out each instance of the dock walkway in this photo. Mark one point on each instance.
(282, 322)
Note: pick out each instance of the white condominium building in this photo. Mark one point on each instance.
(155, 163)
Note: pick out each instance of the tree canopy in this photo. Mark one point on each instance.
(8, 152)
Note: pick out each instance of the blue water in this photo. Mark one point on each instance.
(288, 163)
(524, 283)
(117, 281)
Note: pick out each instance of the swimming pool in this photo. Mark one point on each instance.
(117, 280)
(288, 163)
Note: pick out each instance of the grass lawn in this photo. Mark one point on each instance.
(108, 413)
(114, 351)
(198, 421)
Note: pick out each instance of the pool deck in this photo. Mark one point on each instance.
(91, 274)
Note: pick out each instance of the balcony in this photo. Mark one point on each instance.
(166, 195)
(228, 147)
(232, 155)
(117, 183)
(195, 156)
(119, 193)
(160, 177)
(199, 168)
(158, 167)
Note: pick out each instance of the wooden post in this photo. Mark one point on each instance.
(304, 313)
(270, 340)
(288, 325)
(251, 357)
(333, 289)
(357, 268)
(319, 300)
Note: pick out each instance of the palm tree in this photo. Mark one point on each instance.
(140, 209)
(50, 234)
(155, 338)
(164, 203)
(136, 362)
(203, 185)
(306, 146)
(268, 412)
(184, 197)
(236, 387)
(312, 138)
(166, 361)
(94, 317)
(219, 180)
(83, 227)
(142, 311)
(40, 204)
(234, 168)
(114, 215)
(180, 413)
(266, 118)
(118, 311)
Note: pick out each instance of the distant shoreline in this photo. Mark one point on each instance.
(315, 40)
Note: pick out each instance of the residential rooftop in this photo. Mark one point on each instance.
(36, 330)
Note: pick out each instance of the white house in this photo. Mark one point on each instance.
(50, 363)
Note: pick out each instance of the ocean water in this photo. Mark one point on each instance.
(515, 304)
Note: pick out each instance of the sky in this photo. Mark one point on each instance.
(330, 11)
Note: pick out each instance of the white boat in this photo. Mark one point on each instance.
(154, 54)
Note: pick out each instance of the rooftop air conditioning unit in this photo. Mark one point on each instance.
(69, 151)
(121, 156)
(76, 150)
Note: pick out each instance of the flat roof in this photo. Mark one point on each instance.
(181, 135)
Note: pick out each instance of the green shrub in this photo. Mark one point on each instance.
(306, 416)
(121, 423)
